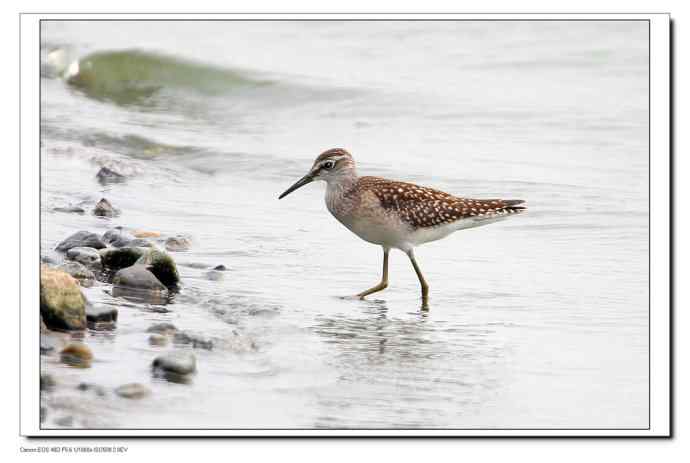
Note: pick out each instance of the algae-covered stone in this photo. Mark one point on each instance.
(116, 259)
(161, 265)
(63, 306)
(81, 239)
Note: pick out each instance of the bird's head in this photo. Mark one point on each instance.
(330, 166)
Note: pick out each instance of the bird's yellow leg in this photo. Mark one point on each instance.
(384, 279)
(422, 281)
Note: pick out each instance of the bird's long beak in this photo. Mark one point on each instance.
(299, 183)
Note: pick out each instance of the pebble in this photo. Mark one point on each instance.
(77, 354)
(132, 391)
(81, 239)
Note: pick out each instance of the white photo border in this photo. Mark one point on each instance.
(659, 231)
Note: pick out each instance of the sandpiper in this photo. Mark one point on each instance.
(396, 214)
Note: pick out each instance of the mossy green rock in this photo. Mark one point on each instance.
(63, 306)
(161, 265)
(118, 258)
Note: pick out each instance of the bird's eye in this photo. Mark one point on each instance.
(328, 165)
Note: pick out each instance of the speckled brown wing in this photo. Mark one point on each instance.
(425, 207)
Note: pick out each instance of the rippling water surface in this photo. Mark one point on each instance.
(540, 321)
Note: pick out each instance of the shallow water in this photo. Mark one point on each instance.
(540, 321)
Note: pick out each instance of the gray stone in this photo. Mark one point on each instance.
(118, 237)
(162, 328)
(138, 277)
(81, 239)
(220, 268)
(101, 316)
(91, 387)
(90, 257)
(156, 339)
(47, 382)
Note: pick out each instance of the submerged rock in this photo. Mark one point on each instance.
(132, 391)
(77, 270)
(138, 277)
(178, 243)
(162, 328)
(77, 354)
(197, 341)
(156, 339)
(89, 257)
(119, 258)
(214, 275)
(104, 209)
(63, 306)
(91, 387)
(70, 209)
(81, 239)
(107, 175)
(161, 265)
(175, 366)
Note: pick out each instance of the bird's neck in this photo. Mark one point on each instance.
(337, 190)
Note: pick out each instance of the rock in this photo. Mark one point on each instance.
(140, 242)
(146, 234)
(178, 243)
(162, 328)
(106, 176)
(175, 366)
(132, 391)
(104, 209)
(117, 237)
(116, 259)
(214, 275)
(81, 239)
(63, 306)
(161, 265)
(90, 257)
(138, 277)
(77, 354)
(197, 341)
(220, 268)
(83, 275)
(90, 387)
(101, 316)
(157, 339)
(47, 382)
(70, 209)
